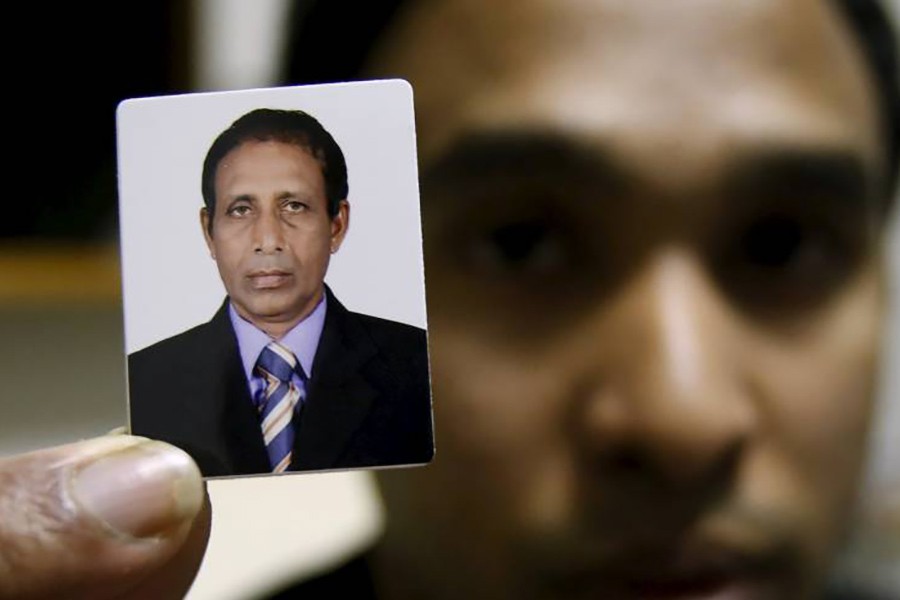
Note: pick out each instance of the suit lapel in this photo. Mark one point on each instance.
(338, 396)
(224, 401)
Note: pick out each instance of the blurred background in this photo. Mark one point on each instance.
(60, 285)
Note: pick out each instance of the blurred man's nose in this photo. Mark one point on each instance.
(670, 403)
(268, 236)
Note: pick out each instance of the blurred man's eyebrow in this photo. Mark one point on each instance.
(826, 173)
(777, 169)
(485, 154)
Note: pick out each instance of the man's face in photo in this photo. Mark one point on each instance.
(655, 296)
(271, 235)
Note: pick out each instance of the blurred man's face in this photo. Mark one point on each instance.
(271, 234)
(655, 296)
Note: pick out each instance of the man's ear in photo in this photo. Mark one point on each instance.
(340, 223)
(206, 225)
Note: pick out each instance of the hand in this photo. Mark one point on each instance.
(113, 517)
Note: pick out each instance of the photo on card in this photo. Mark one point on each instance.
(273, 283)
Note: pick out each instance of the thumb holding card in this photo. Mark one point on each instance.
(110, 517)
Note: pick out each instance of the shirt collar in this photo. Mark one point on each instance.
(302, 339)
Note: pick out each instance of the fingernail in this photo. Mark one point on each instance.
(145, 489)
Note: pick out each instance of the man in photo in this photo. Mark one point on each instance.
(283, 377)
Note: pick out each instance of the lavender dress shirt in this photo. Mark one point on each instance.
(302, 340)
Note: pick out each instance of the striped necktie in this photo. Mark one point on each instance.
(276, 365)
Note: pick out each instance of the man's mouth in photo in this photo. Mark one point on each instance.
(268, 279)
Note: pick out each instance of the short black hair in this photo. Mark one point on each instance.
(319, 19)
(287, 126)
(871, 26)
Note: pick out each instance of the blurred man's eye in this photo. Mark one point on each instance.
(783, 261)
(519, 247)
(780, 242)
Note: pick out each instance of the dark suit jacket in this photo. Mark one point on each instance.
(368, 401)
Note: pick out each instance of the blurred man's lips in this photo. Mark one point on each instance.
(728, 577)
(712, 584)
(692, 572)
(700, 586)
(269, 279)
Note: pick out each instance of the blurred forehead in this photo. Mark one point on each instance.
(641, 75)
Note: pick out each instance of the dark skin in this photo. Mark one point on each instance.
(655, 296)
(670, 220)
(272, 237)
(73, 528)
